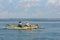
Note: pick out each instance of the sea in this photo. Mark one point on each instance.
(51, 31)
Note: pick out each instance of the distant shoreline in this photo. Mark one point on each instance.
(42, 20)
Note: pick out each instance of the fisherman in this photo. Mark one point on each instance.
(27, 24)
(20, 24)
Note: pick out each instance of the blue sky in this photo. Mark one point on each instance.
(29, 8)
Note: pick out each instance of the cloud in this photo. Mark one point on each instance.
(53, 2)
(53, 6)
(7, 14)
(30, 0)
(10, 1)
(29, 8)
(3, 14)
(36, 15)
(28, 3)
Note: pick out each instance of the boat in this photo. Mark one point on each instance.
(15, 27)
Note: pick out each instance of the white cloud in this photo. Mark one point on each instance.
(52, 6)
(53, 2)
(1, 5)
(4, 14)
(30, 0)
(10, 1)
(36, 15)
(26, 4)
(7, 14)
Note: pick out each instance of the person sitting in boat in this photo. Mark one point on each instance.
(20, 24)
(27, 24)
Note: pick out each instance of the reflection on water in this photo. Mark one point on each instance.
(51, 32)
(19, 34)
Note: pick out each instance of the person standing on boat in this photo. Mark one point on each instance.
(20, 24)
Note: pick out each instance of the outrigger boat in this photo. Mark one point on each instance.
(15, 27)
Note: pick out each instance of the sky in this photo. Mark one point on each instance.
(29, 8)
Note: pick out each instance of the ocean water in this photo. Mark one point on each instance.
(51, 32)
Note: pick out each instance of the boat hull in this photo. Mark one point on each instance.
(21, 28)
